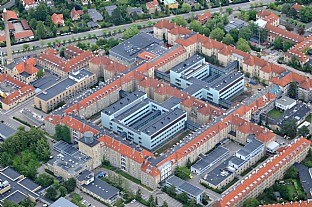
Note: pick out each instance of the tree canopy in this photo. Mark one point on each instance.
(217, 34)
(251, 202)
(243, 45)
(182, 172)
(289, 128)
(62, 132)
(179, 20)
(130, 32)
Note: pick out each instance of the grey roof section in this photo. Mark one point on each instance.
(210, 158)
(251, 146)
(10, 173)
(16, 197)
(29, 184)
(45, 82)
(6, 131)
(182, 67)
(113, 108)
(236, 160)
(237, 24)
(15, 179)
(95, 15)
(92, 24)
(65, 148)
(137, 10)
(110, 9)
(171, 102)
(85, 175)
(184, 186)
(226, 80)
(130, 48)
(80, 74)
(305, 178)
(56, 89)
(285, 100)
(14, 63)
(218, 174)
(162, 121)
(102, 189)
(62, 202)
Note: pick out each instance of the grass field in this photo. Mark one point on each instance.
(275, 114)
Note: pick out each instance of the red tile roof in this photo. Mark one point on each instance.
(273, 68)
(75, 12)
(77, 125)
(11, 15)
(263, 13)
(164, 24)
(146, 55)
(204, 17)
(109, 64)
(25, 24)
(152, 4)
(27, 66)
(180, 31)
(278, 32)
(24, 34)
(57, 18)
(297, 6)
(303, 81)
(2, 38)
(271, 18)
(29, 2)
(11, 26)
(298, 49)
(263, 172)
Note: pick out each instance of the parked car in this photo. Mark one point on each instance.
(102, 174)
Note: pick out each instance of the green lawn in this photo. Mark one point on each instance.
(308, 119)
(275, 114)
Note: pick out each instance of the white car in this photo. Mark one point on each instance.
(133, 201)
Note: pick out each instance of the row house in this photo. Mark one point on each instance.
(265, 175)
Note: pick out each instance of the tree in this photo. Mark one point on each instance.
(130, 32)
(62, 133)
(234, 33)
(292, 13)
(179, 20)
(138, 194)
(217, 34)
(205, 199)
(251, 202)
(289, 128)
(26, 47)
(182, 172)
(41, 30)
(272, 5)
(7, 203)
(165, 204)
(228, 39)
(186, 8)
(195, 26)
(44, 180)
(243, 45)
(51, 193)
(48, 21)
(70, 185)
(305, 14)
(33, 23)
(292, 91)
(286, 8)
(63, 191)
(188, 163)
(182, 197)
(229, 10)
(252, 14)
(41, 12)
(278, 43)
(287, 45)
(291, 173)
(263, 34)
(303, 131)
(301, 31)
(151, 202)
(245, 33)
(40, 73)
(289, 27)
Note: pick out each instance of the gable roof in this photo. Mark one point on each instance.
(11, 15)
(164, 24)
(205, 16)
(57, 18)
(297, 6)
(75, 12)
(27, 66)
(24, 34)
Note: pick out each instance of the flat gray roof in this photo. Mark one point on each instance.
(171, 102)
(10, 173)
(95, 15)
(188, 64)
(56, 89)
(123, 102)
(85, 175)
(6, 131)
(16, 197)
(250, 147)
(218, 174)
(102, 189)
(45, 82)
(62, 202)
(225, 80)
(110, 9)
(285, 100)
(31, 185)
(130, 48)
(210, 158)
(184, 185)
(64, 147)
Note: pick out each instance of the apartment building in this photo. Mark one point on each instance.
(204, 81)
(13, 91)
(161, 29)
(104, 67)
(23, 70)
(304, 85)
(76, 82)
(143, 121)
(265, 175)
(50, 60)
(290, 204)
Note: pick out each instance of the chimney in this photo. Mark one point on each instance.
(7, 37)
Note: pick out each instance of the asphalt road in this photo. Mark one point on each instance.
(99, 32)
